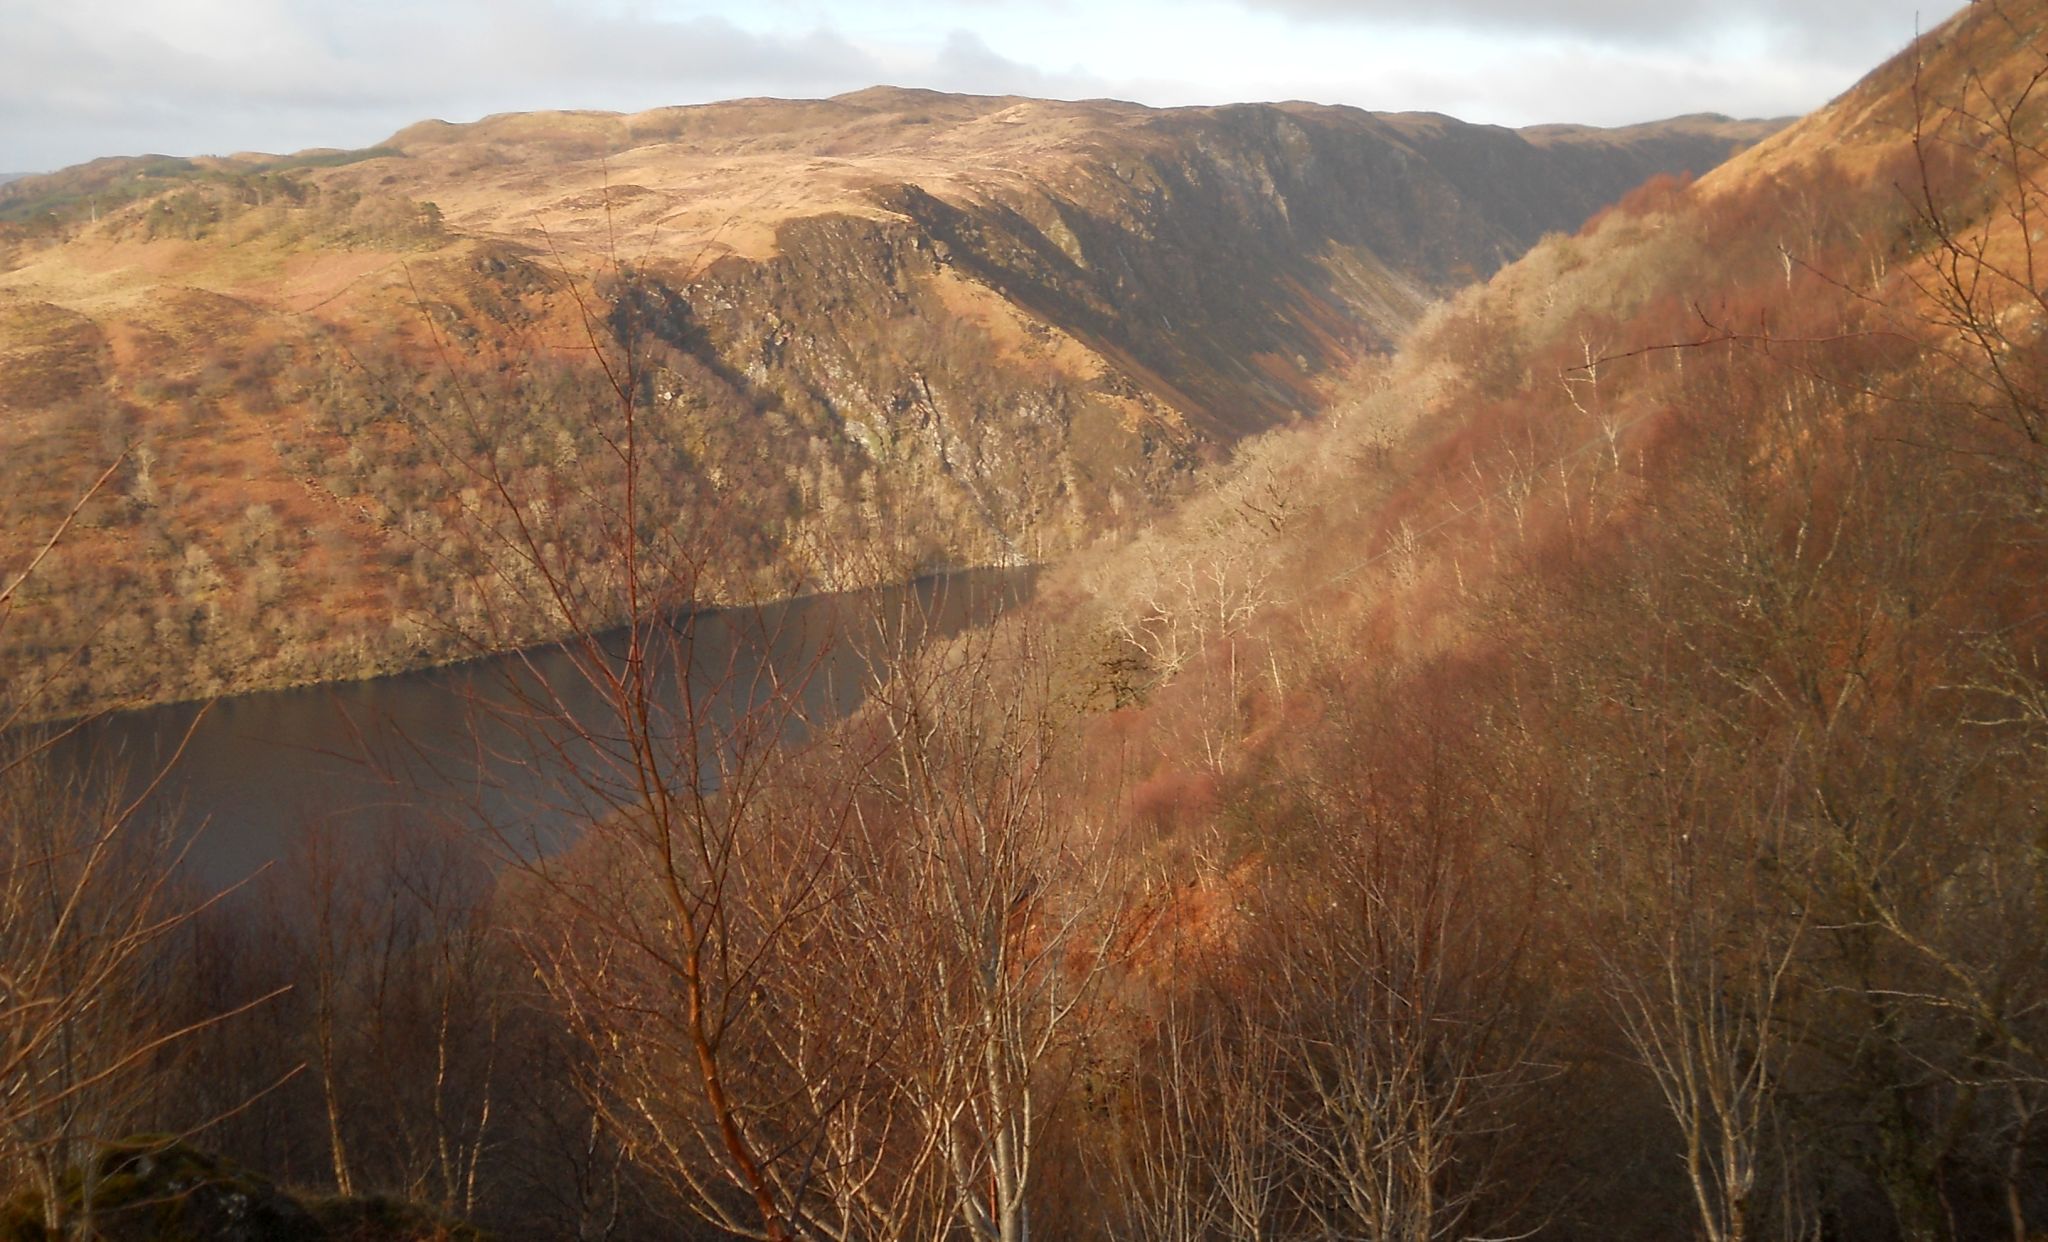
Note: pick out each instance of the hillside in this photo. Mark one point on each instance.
(1655, 648)
(1588, 781)
(879, 334)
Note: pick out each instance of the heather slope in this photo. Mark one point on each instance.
(880, 334)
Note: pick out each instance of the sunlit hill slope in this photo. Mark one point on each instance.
(1653, 649)
(884, 333)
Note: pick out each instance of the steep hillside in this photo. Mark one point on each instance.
(875, 335)
(1665, 620)
(1588, 782)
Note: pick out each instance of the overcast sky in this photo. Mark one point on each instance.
(84, 78)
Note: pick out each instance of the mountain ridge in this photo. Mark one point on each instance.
(889, 332)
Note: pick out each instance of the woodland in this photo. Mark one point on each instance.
(1591, 782)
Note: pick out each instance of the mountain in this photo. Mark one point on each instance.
(1585, 782)
(891, 331)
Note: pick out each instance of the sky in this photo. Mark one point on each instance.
(86, 78)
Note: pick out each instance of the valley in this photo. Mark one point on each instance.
(1505, 692)
(875, 336)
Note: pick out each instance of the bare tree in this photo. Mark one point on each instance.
(407, 987)
(999, 904)
(1978, 202)
(91, 900)
(1704, 1008)
(1204, 1153)
(692, 853)
(92, 897)
(1406, 1042)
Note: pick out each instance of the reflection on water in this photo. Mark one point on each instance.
(259, 769)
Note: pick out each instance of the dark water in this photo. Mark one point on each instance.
(448, 746)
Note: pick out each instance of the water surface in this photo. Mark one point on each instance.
(442, 746)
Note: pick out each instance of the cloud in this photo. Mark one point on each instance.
(1602, 88)
(965, 62)
(81, 78)
(1857, 29)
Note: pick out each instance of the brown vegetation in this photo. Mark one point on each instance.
(924, 331)
(1589, 788)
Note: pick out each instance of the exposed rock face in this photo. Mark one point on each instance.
(885, 332)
